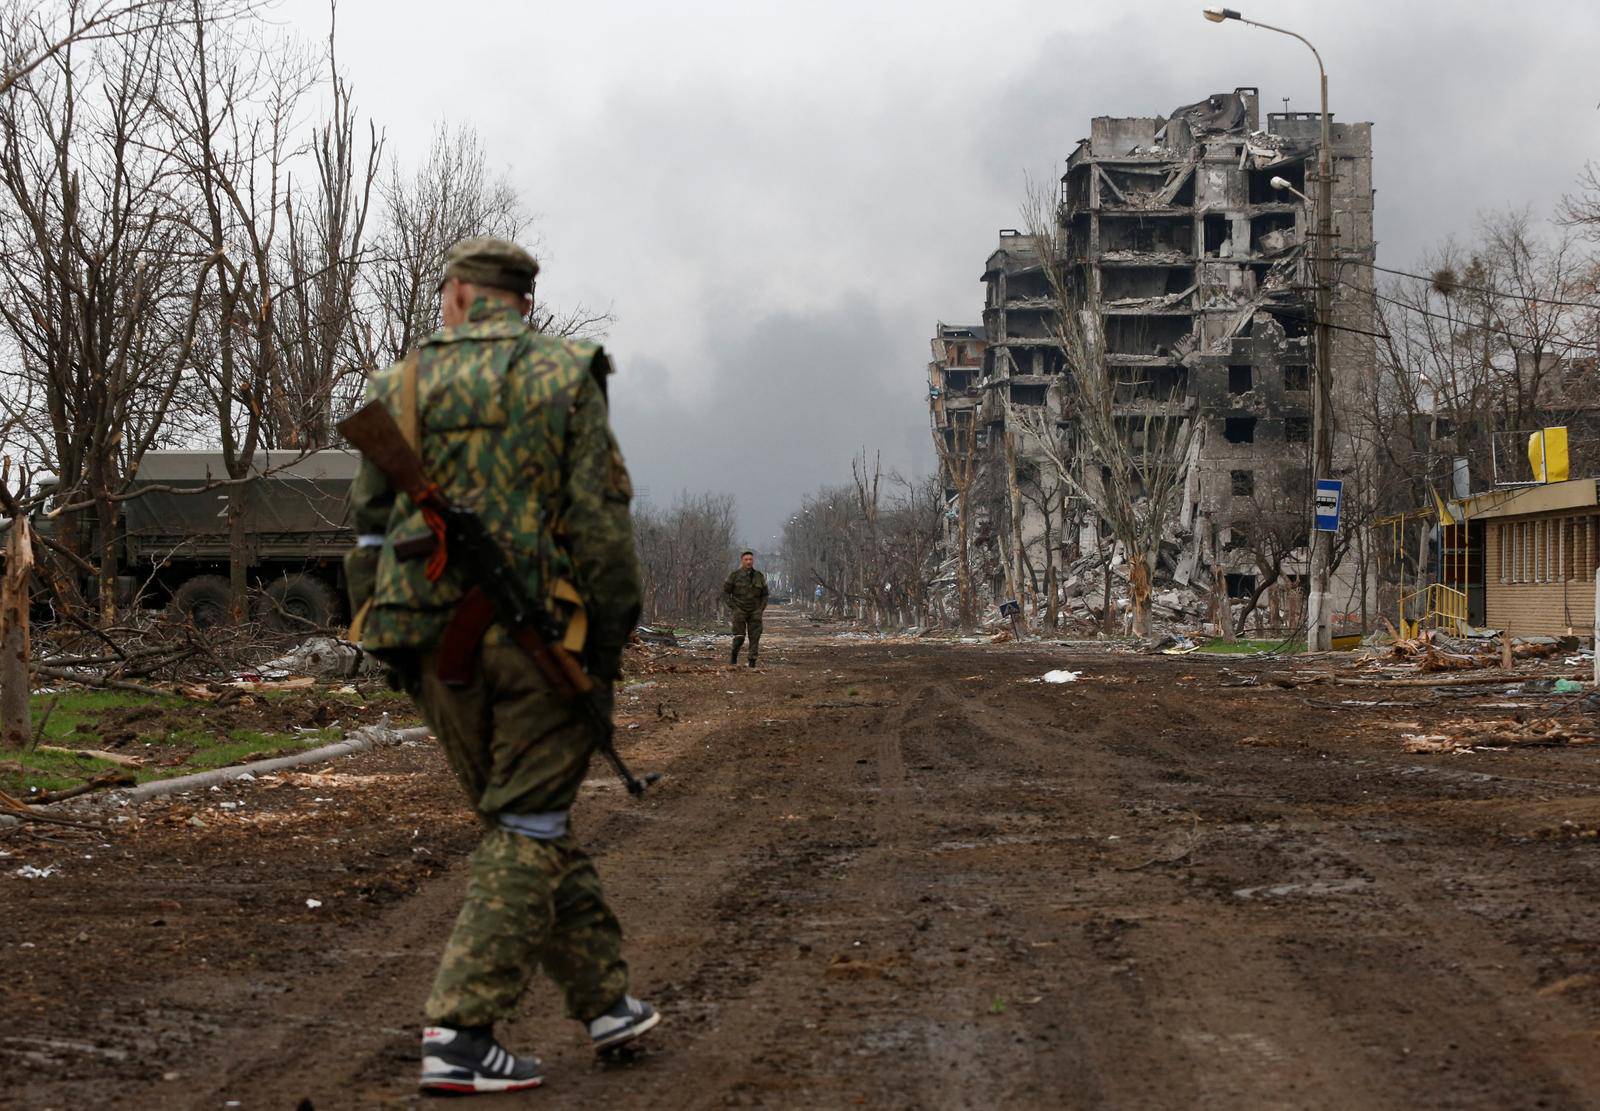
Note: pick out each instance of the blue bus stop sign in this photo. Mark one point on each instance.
(1330, 496)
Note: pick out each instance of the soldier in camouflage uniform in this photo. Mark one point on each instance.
(514, 425)
(745, 592)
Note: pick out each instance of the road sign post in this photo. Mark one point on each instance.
(1330, 500)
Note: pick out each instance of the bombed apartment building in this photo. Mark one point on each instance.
(1191, 236)
(953, 375)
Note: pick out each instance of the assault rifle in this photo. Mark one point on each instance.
(461, 540)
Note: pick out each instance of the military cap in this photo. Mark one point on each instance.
(485, 260)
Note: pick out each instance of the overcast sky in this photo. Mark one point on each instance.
(779, 200)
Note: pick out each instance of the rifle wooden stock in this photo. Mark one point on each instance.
(372, 430)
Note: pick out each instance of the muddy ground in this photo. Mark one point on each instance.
(883, 874)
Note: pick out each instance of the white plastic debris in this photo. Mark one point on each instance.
(1061, 676)
(29, 872)
(313, 903)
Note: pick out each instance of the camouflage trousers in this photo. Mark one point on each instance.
(518, 749)
(746, 624)
(530, 904)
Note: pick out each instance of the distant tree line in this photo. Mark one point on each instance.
(872, 546)
(685, 552)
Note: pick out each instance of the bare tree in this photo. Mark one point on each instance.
(325, 251)
(15, 652)
(449, 197)
(957, 448)
(1483, 345)
(684, 554)
(96, 275)
(33, 34)
(1130, 466)
(232, 111)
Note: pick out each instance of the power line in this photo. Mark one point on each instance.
(1547, 341)
(1491, 291)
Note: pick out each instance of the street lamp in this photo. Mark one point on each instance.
(1282, 184)
(1319, 614)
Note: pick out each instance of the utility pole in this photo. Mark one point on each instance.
(1319, 609)
(1319, 613)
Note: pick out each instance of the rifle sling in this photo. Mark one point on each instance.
(409, 420)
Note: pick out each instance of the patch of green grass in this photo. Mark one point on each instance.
(195, 749)
(1245, 647)
(63, 711)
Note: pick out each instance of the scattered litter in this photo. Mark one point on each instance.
(1568, 686)
(313, 903)
(29, 872)
(1060, 677)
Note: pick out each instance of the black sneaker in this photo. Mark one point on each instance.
(469, 1061)
(622, 1023)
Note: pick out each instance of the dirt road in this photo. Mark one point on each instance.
(878, 874)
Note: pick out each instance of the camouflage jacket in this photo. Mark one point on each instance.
(746, 591)
(513, 424)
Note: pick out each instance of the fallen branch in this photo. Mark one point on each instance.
(97, 754)
(100, 681)
(1499, 680)
(19, 810)
(103, 781)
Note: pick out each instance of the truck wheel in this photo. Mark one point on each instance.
(202, 601)
(299, 603)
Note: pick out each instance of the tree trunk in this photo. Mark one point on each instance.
(1108, 621)
(1139, 595)
(1052, 611)
(106, 542)
(238, 556)
(1021, 583)
(15, 686)
(1221, 606)
(964, 601)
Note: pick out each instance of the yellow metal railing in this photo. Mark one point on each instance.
(1437, 607)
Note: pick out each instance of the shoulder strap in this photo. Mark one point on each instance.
(410, 425)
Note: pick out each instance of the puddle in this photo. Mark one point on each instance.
(1316, 890)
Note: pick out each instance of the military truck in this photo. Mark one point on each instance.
(172, 549)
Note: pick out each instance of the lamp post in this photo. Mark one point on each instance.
(1319, 615)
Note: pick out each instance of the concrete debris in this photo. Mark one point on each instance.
(319, 656)
(661, 638)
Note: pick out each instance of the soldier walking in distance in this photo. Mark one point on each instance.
(746, 595)
(514, 425)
